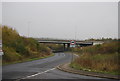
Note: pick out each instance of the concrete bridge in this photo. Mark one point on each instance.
(67, 43)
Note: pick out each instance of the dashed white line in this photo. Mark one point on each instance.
(39, 73)
(63, 54)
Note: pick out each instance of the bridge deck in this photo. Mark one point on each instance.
(64, 42)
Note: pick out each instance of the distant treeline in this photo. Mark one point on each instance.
(18, 48)
(103, 39)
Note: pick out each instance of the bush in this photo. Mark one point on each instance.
(10, 55)
(111, 47)
(17, 47)
(56, 47)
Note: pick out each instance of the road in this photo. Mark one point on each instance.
(42, 69)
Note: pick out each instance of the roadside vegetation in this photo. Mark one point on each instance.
(55, 47)
(0, 32)
(99, 58)
(18, 49)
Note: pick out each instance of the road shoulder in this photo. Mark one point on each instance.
(65, 67)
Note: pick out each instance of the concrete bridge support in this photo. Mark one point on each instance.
(66, 46)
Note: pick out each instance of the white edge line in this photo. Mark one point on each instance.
(39, 73)
(76, 55)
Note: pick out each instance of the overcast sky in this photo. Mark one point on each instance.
(63, 20)
(0, 12)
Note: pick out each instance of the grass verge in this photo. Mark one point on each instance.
(101, 63)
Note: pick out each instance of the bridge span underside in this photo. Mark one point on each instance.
(67, 44)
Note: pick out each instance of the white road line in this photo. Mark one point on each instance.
(39, 73)
(76, 55)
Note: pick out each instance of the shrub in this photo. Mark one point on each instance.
(10, 55)
(17, 47)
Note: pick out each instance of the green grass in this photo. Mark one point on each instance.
(27, 60)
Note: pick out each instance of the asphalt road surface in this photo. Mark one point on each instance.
(43, 69)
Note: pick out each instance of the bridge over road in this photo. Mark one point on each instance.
(67, 43)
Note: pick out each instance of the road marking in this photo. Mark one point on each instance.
(39, 73)
(76, 55)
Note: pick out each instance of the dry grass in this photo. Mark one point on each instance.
(103, 58)
(98, 62)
